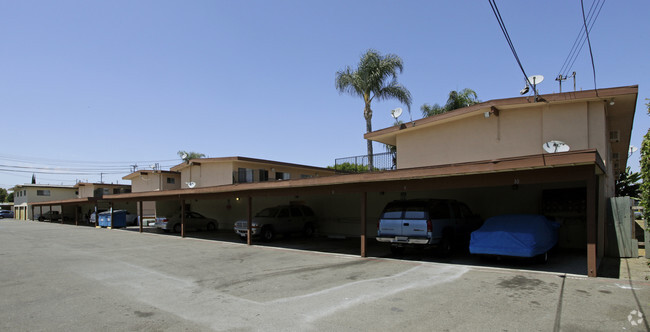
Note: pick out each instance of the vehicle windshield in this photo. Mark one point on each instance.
(270, 212)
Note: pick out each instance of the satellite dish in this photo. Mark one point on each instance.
(535, 79)
(184, 156)
(191, 184)
(396, 113)
(555, 146)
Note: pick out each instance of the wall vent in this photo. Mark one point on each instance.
(614, 136)
(615, 156)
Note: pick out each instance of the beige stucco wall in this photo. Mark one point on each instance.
(154, 182)
(515, 132)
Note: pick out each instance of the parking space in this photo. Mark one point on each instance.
(560, 261)
(57, 277)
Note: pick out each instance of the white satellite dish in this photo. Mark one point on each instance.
(555, 146)
(184, 156)
(191, 184)
(396, 113)
(535, 79)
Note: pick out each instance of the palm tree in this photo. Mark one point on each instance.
(374, 78)
(189, 155)
(456, 100)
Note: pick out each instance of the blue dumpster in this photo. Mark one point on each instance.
(119, 218)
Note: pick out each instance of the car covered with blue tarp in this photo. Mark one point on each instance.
(515, 235)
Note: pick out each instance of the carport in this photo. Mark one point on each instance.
(583, 167)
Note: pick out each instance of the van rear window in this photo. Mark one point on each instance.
(392, 212)
(415, 213)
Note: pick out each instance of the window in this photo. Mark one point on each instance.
(106, 191)
(264, 175)
(295, 212)
(305, 176)
(244, 175)
(171, 181)
(282, 176)
(42, 193)
(284, 213)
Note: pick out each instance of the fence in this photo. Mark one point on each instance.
(359, 164)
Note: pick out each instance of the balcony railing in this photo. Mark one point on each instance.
(359, 164)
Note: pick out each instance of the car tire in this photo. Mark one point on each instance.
(177, 228)
(243, 238)
(309, 230)
(397, 250)
(210, 227)
(267, 233)
(41, 219)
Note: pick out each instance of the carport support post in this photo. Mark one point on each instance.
(140, 218)
(51, 214)
(364, 202)
(110, 225)
(96, 215)
(249, 231)
(76, 215)
(33, 216)
(182, 218)
(41, 209)
(591, 226)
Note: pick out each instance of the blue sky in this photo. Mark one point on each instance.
(100, 85)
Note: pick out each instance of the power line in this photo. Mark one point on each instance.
(580, 40)
(502, 25)
(593, 67)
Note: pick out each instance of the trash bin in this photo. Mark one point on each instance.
(119, 219)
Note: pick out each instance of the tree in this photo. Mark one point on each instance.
(628, 184)
(10, 198)
(645, 167)
(374, 78)
(189, 155)
(3, 195)
(456, 100)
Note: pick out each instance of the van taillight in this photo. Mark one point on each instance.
(429, 226)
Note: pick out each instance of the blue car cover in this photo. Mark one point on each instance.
(515, 235)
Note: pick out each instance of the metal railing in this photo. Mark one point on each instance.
(359, 164)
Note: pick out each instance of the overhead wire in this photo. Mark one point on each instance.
(579, 42)
(502, 25)
(591, 54)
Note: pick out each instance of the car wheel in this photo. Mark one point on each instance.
(177, 228)
(41, 219)
(210, 226)
(308, 230)
(267, 233)
(397, 250)
(243, 238)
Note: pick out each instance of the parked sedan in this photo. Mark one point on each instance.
(6, 214)
(193, 220)
(51, 215)
(515, 236)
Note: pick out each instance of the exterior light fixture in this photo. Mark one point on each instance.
(493, 110)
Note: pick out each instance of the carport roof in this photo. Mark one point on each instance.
(74, 201)
(356, 182)
(245, 159)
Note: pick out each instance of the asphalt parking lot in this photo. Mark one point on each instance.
(57, 277)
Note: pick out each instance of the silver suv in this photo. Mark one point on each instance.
(283, 219)
(441, 223)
